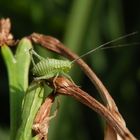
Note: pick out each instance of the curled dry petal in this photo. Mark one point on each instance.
(42, 119)
(5, 36)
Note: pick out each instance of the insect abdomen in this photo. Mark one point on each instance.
(51, 67)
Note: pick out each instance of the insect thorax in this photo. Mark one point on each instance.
(51, 67)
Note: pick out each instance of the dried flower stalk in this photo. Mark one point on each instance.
(65, 87)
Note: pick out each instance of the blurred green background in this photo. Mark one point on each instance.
(82, 25)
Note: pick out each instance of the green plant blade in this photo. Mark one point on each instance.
(17, 68)
(23, 62)
(32, 102)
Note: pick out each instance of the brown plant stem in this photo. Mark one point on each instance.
(65, 87)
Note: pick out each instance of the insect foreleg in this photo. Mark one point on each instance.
(30, 52)
(38, 56)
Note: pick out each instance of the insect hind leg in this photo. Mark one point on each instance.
(54, 82)
(41, 78)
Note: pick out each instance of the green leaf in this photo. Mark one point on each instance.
(18, 70)
(32, 102)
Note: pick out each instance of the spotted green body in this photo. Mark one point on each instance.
(48, 68)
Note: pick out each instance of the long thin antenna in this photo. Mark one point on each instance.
(121, 45)
(103, 45)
